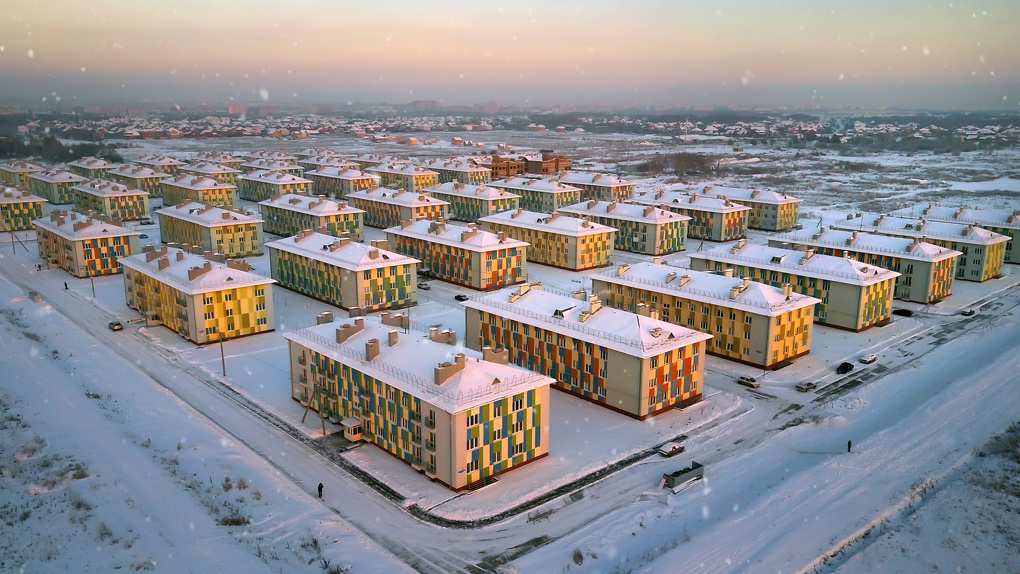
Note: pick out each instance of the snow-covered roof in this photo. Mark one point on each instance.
(756, 195)
(208, 167)
(794, 262)
(455, 165)
(544, 185)
(76, 226)
(317, 206)
(158, 160)
(18, 166)
(92, 163)
(12, 195)
(197, 182)
(274, 177)
(342, 173)
(624, 211)
(137, 171)
(397, 197)
(104, 188)
(1004, 218)
(207, 215)
(341, 252)
(868, 243)
(591, 178)
(924, 228)
(57, 175)
(469, 237)
(555, 223)
(478, 383)
(269, 165)
(707, 287)
(482, 191)
(193, 274)
(667, 199)
(628, 333)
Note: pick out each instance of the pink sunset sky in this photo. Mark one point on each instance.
(961, 54)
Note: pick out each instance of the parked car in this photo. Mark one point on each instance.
(748, 381)
(844, 368)
(115, 326)
(461, 297)
(868, 359)
(805, 387)
(903, 312)
(423, 285)
(671, 449)
(143, 236)
(967, 312)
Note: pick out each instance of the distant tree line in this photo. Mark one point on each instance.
(680, 163)
(48, 148)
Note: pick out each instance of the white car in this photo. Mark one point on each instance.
(868, 359)
(748, 382)
(671, 449)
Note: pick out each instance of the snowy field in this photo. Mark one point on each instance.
(134, 450)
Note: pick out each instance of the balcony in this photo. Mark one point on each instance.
(430, 445)
(301, 360)
(302, 379)
(431, 423)
(415, 416)
(416, 439)
(430, 469)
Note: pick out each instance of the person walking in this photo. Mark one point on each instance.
(848, 445)
(320, 490)
(65, 285)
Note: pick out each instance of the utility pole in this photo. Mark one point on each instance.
(223, 359)
(93, 282)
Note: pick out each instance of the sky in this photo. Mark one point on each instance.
(796, 52)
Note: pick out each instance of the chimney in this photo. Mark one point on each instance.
(371, 349)
(622, 269)
(670, 276)
(594, 304)
(405, 223)
(648, 211)
(728, 272)
(684, 279)
(446, 370)
(593, 203)
(346, 331)
(807, 255)
(383, 244)
(502, 236)
(500, 357)
(393, 337)
(163, 263)
(324, 317)
(180, 255)
(646, 310)
(787, 290)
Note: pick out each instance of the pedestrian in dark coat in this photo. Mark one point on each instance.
(848, 444)
(320, 490)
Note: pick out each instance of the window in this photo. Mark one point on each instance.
(747, 319)
(519, 448)
(472, 466)
(497, 410)
(261, 321)
(517, 427)
(230, 312)
(472, 443)
(472, 420)
(208, 300)
(518, 403)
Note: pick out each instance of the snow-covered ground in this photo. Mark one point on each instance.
(131, 450)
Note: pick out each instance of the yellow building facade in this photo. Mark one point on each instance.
(114, 200)
(770, 210)
(18, 209)
(199, 189)
(201, 299)
(16, 174)
(556, 240)
(386, 207)
(140, 177)
(54, 185)
(84, 246)
(711, 218)
(231, 233)
(290, 214)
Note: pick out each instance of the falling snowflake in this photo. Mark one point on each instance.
(264, 94)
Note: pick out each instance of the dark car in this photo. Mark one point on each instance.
(461, 297)
(903, 312)
(115, 326)
(967, 313)
(844, 368)
(143, 236)
(805, 387)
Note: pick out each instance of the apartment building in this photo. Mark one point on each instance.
(290, 214)
(54, 185)
(160, 163)
(91, 167)
(466, 256)
(140, 177)
(461, 170)
(852, 295)
(546, 164)
(503, 167)
(220, 158)
(333, 159)
(114, 200)
(750, 322)
(633, 364)
(18, 209)
(15, 173)
(270, 165)
(199, 189)
(339, 182)
(545, 195)
(271, 155)
(770, 210)
(212, 170)
(202, 298)
(400, 175)
(261, 185)
(1003, 221)
(926, 270)
(229, 232)
(639, 228)
(556, 240)
(341, 272)
(367, 160)
(599, 186)
(983, 251)
(712, 218)
(469, 202)
(386, 207)
(455, 415)
(84, 246)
